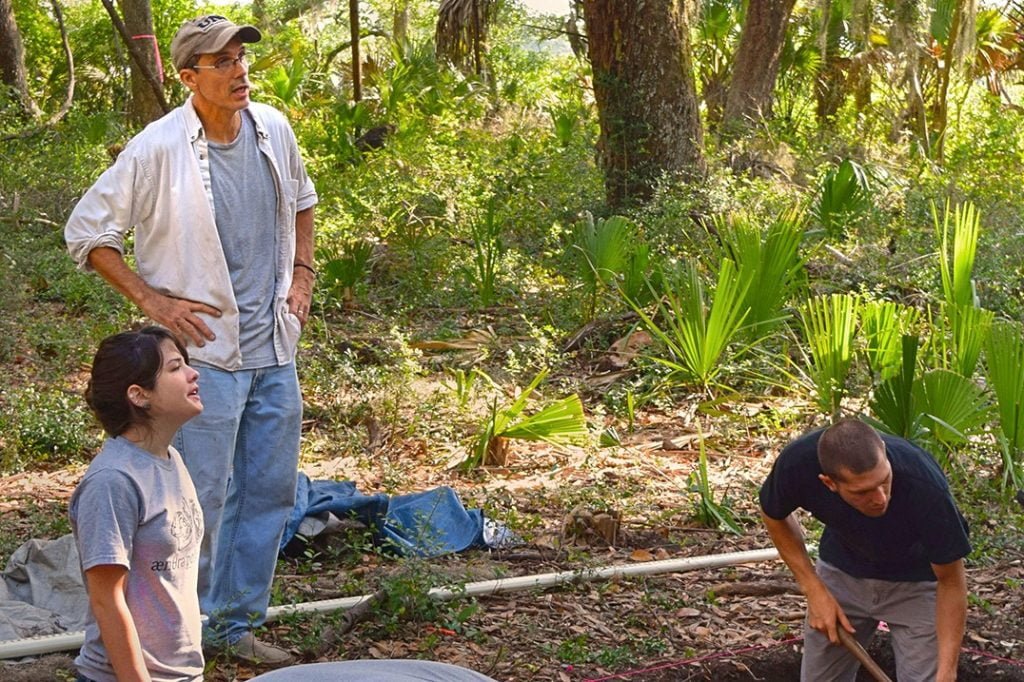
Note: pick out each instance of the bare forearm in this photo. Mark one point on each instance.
(304, 237)
(121, 640)
(110, 265)
(117, 628)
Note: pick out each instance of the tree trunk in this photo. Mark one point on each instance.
(12, 60)
(830, 85)
(757, 63)
(138, 19)
(357, 60)
(907, 18)
(645, 94)
(400, 22)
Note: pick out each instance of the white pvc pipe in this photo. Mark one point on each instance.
(72, 640)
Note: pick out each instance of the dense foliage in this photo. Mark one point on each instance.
(833, 253)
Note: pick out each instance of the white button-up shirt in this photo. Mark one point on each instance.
(160, 186)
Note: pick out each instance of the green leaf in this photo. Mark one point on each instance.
(893, 401)
(769, 259)
(561, 423)
(1004, 360)
(884, 325)
(843, 196)
(954, 407)
(697, 332)
(956, 258)
(828, 324)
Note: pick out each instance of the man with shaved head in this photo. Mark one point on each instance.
(892, 549)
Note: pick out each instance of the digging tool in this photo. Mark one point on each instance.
(863, 656)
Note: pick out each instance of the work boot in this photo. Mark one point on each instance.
(252, 651)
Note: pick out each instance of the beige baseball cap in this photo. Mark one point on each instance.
(208, 34)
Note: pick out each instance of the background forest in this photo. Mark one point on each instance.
(572, 243)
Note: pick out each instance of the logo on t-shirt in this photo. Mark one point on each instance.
(187, 527)
(187, 530)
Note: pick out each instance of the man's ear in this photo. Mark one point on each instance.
(188, 78)
(828, 482)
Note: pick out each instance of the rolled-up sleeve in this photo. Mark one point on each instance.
(117, 201)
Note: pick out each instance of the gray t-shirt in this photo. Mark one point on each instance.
(245, 205)
(139, 511)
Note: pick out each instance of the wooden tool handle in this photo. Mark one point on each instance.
(863, 656)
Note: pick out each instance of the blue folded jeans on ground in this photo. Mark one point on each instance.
(429, 523)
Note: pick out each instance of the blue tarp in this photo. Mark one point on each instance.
(429, 523)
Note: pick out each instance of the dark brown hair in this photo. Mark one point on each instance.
(851, 446)
(123, 360)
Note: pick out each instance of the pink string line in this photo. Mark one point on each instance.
(759, 647)
(156, 53)
(1001, 659)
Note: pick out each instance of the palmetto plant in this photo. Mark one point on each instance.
(696, 328)
(602, 250)
(285, 82)
(488, 249)
(884, 325)
(843, 196)
(1004, 360)
(559, 423)
(710, 513)
(953, 409)
(343, 271)
(968, 328)
(769, 259)
(892, 405)
(957, 252)
(828, 323)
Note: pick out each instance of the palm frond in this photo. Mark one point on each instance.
(828, 323)
(769, 259)
(461, 34)
(1004, 360)
(969, 327)
(953, 406)
(956, 257)
(892, 404)
(844, 195)
(883, 326)
(698, 331)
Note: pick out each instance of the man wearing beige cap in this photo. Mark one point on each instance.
(222, 209)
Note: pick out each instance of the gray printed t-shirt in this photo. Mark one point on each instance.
(245, 206)
(135, 510)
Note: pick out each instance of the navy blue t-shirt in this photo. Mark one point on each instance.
(922, 525)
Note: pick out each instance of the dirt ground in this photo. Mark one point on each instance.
(729, 623)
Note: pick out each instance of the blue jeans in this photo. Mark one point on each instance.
(242, 453)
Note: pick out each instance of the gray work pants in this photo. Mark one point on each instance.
(908, 608)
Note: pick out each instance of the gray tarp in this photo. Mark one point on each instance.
(42, 591)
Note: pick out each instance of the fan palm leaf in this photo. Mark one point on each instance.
(1004, 360)
(828, 323)
(957, 251)
(767, 258)
(883, 326)
(697, 331)
(892, 405)
(954, 407)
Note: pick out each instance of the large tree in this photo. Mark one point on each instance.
(757, 63)
(138, 19)
(12, 59)
(645, 94)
